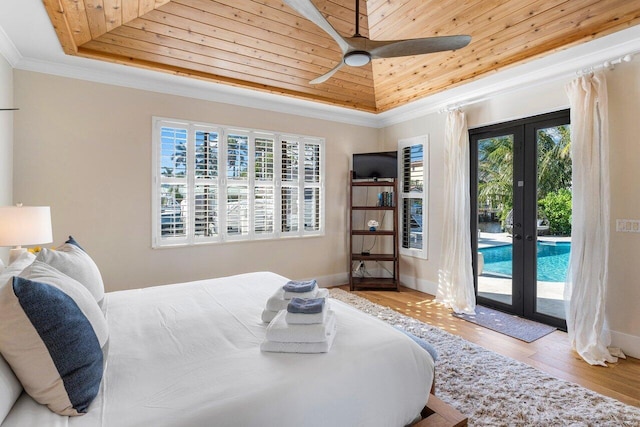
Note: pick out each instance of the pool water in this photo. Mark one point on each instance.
(553, 260)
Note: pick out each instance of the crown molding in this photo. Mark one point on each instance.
(8, 50)
(155, 81)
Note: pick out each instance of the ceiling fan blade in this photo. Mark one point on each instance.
(394, 49)
(323, 78)
(309, 11)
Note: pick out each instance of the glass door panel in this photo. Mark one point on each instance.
(495, 218)
(553, 222)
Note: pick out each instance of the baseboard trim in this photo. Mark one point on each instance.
(419, 284)
(630, 344)
(331, 280)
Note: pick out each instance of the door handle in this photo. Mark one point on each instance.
(529, 237)
(517, 236)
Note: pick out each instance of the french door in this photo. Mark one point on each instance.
(521, 215)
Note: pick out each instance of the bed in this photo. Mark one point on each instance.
(189, 355)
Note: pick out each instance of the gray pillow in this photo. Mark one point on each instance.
(73, 261)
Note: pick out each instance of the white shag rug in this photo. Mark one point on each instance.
(494, 390)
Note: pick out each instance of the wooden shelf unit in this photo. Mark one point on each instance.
(372, 282)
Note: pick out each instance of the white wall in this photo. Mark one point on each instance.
(623, 316)
(85, 149)
(6, 141)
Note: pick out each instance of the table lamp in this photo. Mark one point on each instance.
(24, 225)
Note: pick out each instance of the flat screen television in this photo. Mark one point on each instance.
(375, 165)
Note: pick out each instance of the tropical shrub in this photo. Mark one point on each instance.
(556, 208)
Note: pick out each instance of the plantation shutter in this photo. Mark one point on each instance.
(290, 188)
(173, 183)
(412, 196)
(264, 185)
(312, 187)
(206, 181)
(237, 202)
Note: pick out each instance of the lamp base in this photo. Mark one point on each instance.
(15, 253)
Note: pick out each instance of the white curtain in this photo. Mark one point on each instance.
(455, 277)
(587, 280)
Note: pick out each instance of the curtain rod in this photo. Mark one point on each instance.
(608, 64)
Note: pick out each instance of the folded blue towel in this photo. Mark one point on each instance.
(298, 286)
(306, 305)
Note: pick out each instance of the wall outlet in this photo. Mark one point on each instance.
(628, 225)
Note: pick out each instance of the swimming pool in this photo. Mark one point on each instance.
(553, 260)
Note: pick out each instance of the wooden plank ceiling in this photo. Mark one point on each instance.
(265, 45)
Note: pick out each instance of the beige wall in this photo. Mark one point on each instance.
(623, 316)
(418, 273)
(6, 140)
(85, 149)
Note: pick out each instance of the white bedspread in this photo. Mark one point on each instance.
(189, 355)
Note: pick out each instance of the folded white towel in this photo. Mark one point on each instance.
(300, 347)
(279, 330)
(308, 319)
(278, 302)
(268, 315)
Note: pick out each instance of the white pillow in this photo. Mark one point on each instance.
(10, 387)
(53, 335)
(23, 261)
(73, 261)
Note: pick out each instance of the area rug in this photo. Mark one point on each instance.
(508, 324)
(494, 390)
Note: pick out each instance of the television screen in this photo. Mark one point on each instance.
(375, 165)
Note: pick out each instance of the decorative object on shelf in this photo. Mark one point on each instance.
(372, 224)
(24, 225)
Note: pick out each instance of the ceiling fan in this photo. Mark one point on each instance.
(359, 50)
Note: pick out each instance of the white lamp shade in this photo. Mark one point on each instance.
(25, 225)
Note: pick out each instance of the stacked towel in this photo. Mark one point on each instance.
(306, 326)
(280, 299)
(307, 311)
(281, 331)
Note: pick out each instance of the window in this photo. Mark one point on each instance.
(214, 184)
(412, 195)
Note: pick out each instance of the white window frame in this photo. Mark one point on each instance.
(223, 182)
(403, 143)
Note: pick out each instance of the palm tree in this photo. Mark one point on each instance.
(495, 173)
(554, 160)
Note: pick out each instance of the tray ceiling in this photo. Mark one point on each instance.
(265, 45)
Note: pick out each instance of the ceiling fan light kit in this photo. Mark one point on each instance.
(357, 58)
(358, 50)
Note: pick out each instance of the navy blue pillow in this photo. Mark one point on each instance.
(68, 335)
(73, 242)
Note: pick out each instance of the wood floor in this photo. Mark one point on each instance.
(551, 354)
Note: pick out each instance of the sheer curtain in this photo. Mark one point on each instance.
(455, 277)
(588, 275)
